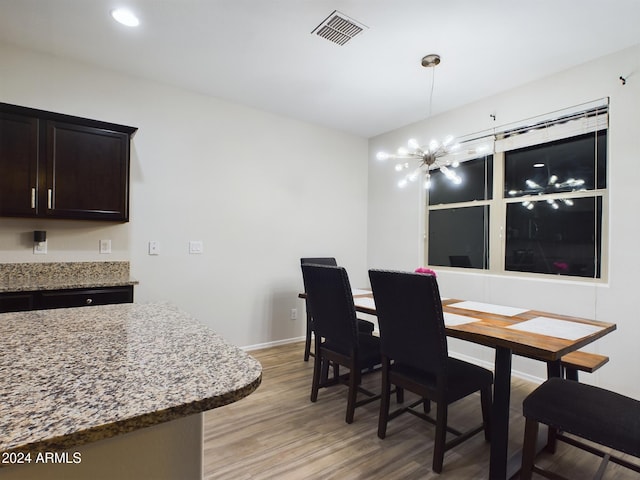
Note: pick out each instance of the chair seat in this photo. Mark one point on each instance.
(368, 350)
(462, 377)
(595, 414)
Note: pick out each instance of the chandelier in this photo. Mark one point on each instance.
(428, 157)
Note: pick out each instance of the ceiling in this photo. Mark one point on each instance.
(262, 53)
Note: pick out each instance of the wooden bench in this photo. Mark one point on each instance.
(581, 361)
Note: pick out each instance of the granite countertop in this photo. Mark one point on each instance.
(76, 375)
(23, 277)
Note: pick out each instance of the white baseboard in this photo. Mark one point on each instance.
(259, 346)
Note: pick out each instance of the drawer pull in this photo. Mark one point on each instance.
(89, 301)
(33, 198)
(49, 199)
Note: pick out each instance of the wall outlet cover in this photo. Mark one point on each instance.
(105, 246)
(40, 248)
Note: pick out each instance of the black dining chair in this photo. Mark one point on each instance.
(337, 338)
(363, 325)
(415, 357)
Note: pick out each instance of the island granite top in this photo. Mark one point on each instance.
(76, 375)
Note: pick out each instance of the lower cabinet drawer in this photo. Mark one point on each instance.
(85, 297)
(16, 302)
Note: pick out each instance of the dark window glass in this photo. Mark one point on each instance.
(476, 184)
(564, 239)
(459, 237)
(571, 164)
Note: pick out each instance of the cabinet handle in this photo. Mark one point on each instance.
(33, 198)
(49, 198)
(88, 301)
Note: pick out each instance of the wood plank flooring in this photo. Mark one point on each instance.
(277, 433)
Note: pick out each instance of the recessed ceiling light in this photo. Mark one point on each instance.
(125, 17)
(538, 165)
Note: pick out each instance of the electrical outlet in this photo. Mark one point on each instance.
(294, 314)
(154, 247)
(40, 248)
(105, 246)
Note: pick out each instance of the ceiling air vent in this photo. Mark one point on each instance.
(338, 28)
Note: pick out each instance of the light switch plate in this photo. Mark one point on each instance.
(196, 247)
(154, 247)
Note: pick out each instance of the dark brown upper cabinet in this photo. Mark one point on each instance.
(59, 166)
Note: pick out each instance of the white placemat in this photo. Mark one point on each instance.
(364, 302)
(360, 291)
(490, 308)
(451, 319)
(553, 327)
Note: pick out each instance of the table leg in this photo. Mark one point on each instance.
(554, 369)
(500, 414)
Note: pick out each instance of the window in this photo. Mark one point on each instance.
(458, 225)
(556, 227)
(549, 208)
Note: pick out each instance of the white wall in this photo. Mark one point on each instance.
(259, 190)
(396, 225)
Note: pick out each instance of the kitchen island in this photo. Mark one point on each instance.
(112, 391)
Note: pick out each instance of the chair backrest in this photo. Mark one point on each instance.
(331, 261)
(331, 301)
(319, 261)
(410, 319)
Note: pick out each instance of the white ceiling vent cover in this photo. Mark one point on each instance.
(338, 28)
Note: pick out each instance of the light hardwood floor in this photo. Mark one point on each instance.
(277, 433)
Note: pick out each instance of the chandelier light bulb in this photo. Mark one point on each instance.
(402, 183)
(433, 145)
(382, 156)
(413, 143)
(447, 173)
(125, 17)
(403, 151)
(415, 174)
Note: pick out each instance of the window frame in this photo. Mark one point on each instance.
(497, 208)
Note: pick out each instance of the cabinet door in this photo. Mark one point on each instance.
(87, 173)
(18, 165)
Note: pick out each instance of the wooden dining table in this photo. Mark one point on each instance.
(510, 331)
